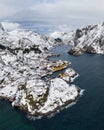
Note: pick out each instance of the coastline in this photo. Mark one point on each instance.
(23, 64)
(50, 114)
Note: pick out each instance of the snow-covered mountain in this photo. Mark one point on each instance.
(89, 39)
(2, 31)
(23, 63)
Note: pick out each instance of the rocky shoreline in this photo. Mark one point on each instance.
(56, 110)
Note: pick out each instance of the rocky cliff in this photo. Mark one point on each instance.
(89, 39)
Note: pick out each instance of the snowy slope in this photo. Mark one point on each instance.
(90, 39)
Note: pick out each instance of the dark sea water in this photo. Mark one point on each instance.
(86, 114)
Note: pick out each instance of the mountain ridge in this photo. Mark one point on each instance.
(89, 39)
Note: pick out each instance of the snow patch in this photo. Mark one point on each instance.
(10, 26)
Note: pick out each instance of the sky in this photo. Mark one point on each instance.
(61, 13)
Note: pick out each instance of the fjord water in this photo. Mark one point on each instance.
(86, 114)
